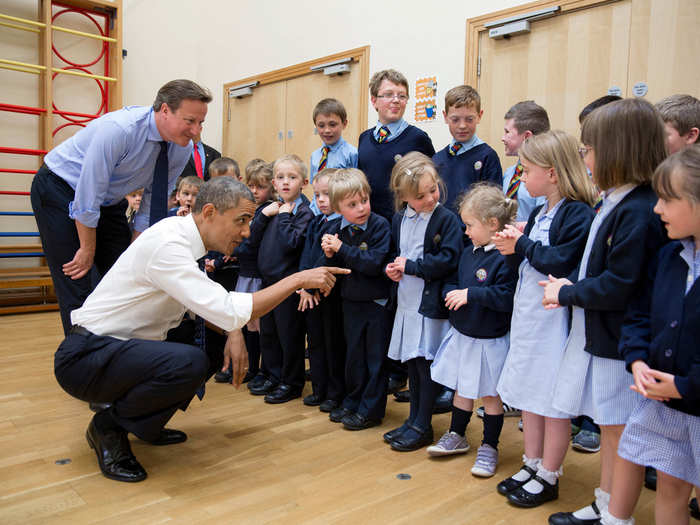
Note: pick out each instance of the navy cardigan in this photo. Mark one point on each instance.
(442, 246)
(662, 327)
(627, 240)
(246, 253)
(491, 285)
(377, 160)
(567, 240)
(366, 253)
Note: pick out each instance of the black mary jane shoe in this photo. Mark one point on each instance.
(393, 434)
(443, 402)
(413, 438)
(169, 436)
(359, 422)
(568, 518)
(282, 394)
(522, 498)
(508, 485)
(114, 454)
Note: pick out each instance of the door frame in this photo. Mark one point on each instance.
(358, 55)
(475, 26)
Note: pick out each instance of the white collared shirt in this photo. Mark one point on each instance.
(154, 282)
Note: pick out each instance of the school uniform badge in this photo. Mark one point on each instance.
(437, 239)
(477, 165)
(363, 246)
(481, 275)
(609, 241)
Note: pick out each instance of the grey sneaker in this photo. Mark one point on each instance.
(508, 411)
(486, 461)
(586, 441)
(450, 443)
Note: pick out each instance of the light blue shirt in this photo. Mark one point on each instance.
(395, 129)
(526, 202)
(466, 146)
(543, 222)
(111, 157)
(340, 155)
(692, 259)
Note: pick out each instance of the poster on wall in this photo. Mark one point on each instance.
(426, 99)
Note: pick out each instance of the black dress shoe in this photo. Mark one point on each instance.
(249, 376)
(412, 438)
(328, 405)
(404, 396)
(223, 377)
(650, 478)
(508, 485)
(337, 414)
(265, 388)
(359, 422)
(257, 381)
(393, 434)
(694, 509)
(99, 407)
(114, 454)
(282, 394)
(522, 498)
(312, 400)
(443, 402)
(395, 385)
(169, 436)
(568, 518)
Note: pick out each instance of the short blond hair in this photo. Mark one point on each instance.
(486, 201)
(260, 175)
(462, 96)
(346, 182)
(324, 174)
(190, 180)
(406, 175)
(393, 76)
(559, 150)
(222, 166)
(295, 161)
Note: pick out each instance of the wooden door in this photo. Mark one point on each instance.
(303, 93)
(564, 63)
(254, 126)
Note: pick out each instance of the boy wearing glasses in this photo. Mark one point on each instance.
(392, 136)
(466, 159)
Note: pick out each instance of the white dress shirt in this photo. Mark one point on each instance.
(154, 282)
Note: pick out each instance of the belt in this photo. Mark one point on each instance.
(79, 330)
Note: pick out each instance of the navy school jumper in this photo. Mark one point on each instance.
(491, 286)
(377, 160)
(662, 327)
(246, 253)
(326, 341)
(367, 324)
(459, 172)
(279, 241)
(442, 246)
(629, 237)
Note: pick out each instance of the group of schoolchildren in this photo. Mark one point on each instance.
(565, 297)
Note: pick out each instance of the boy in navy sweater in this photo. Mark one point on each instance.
(467, 159)
(378, 147)
(278, 233)
(324, 315)
(361, 241)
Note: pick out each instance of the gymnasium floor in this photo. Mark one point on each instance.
(244, 461)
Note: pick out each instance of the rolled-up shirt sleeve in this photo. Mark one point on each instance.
(173, 270)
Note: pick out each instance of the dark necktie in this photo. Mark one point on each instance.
(159, 187)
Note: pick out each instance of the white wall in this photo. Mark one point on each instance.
(219, 41)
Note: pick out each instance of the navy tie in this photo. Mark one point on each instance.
(159, 189)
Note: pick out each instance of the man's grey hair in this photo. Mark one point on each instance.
(175, 91)
(223, 192)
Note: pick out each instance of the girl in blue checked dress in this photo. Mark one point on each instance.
(428, 239)
(480, 299)
(623, 143)
(552, 244)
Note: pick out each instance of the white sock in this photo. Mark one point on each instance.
(524, 475)
(602, 499)
(608, 519)
(535, 487)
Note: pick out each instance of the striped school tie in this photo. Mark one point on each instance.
(455, 148)
(383, 134)
(598, 204)
(324, 158)
(512, 192)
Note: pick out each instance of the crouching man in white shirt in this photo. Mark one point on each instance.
(117, 352)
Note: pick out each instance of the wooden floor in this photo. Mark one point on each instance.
(244, 461)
